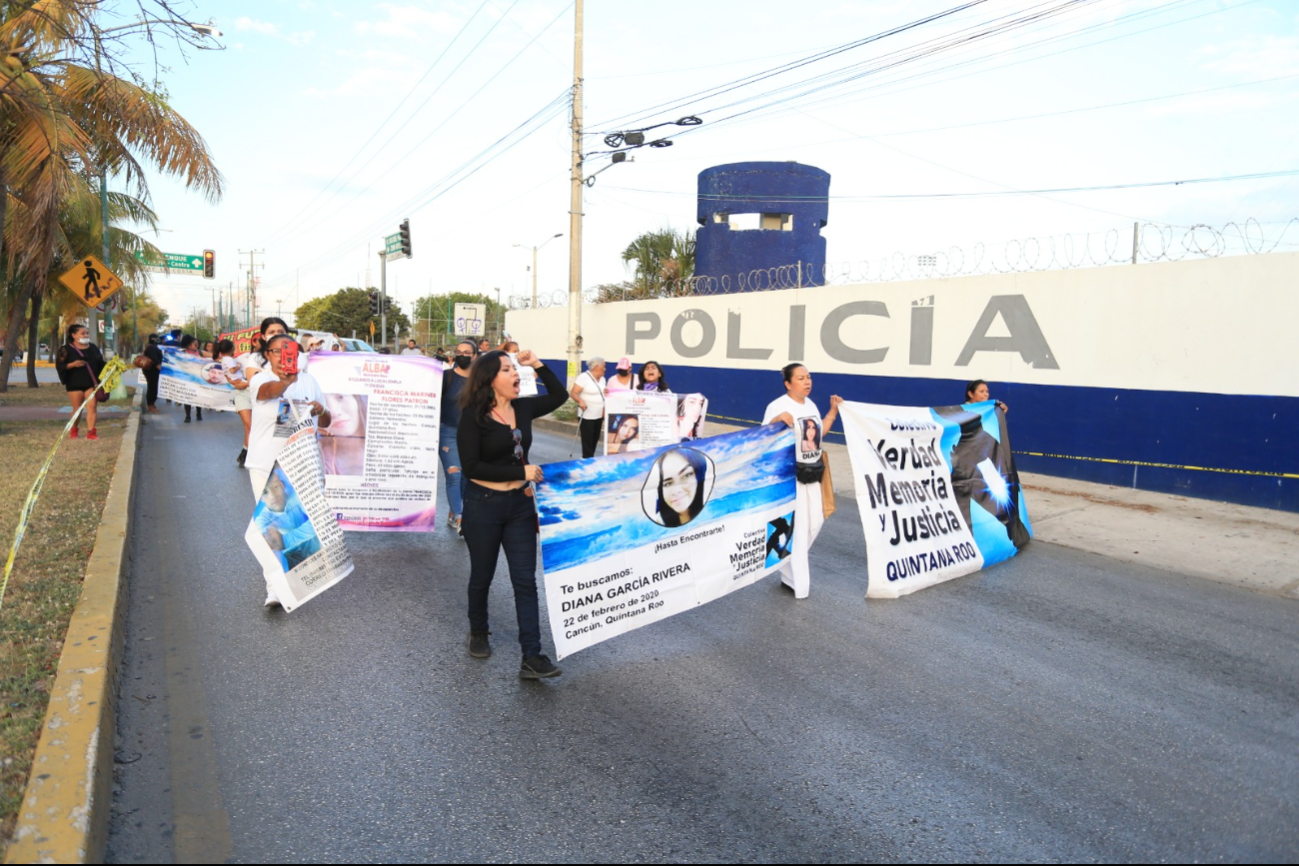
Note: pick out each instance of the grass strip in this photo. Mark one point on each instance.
(48, 573)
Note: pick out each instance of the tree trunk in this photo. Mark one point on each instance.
(13, 333)
(33, 340)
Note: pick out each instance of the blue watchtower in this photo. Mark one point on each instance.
(760, 215)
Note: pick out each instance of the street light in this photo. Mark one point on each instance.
(534, 264)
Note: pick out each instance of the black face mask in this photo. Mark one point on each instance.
(464, 362)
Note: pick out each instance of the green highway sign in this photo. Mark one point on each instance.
(175, 261)
(392, 244)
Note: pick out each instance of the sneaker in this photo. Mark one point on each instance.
(538, 668)
(243, 455)
(479, 647)
(271, 601)
(73, 434)
(92, 434)
(451, 520)
(460, 532)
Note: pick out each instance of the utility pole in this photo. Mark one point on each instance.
(383, 297)
(575, 210)
(251, 305)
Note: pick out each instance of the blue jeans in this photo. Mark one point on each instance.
(494, 519)
(449, 454)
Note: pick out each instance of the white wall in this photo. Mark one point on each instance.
(1210, 325)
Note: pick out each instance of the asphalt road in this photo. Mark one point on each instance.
(1059, 707)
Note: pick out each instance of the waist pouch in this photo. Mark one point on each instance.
(810, 473)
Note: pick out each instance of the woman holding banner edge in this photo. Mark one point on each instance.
(494, 437)
(800, 413)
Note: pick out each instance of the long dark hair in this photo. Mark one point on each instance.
(969, 389)
(663, 377)
(699, 463)
(187, 341)
(478, 397)
(262, 345)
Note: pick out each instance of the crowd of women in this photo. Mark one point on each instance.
(486, 437)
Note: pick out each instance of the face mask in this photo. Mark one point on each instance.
(83, 340)
(464, 362)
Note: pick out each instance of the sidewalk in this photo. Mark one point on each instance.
(1255, 548)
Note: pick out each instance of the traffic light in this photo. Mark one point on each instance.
(209, 265)
(374, 304)
(404, 228)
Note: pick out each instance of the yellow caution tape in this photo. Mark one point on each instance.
(110, 376)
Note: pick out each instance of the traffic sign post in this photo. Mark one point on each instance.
(470, 319)
(91, 281)
(184, 262)
(392, 248)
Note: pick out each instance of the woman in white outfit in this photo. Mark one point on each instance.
(278, 397)
(798, 411)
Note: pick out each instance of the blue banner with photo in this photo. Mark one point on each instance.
(630, 539)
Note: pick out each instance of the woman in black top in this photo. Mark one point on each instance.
(494, 436)
(79, 364)
(454, 380)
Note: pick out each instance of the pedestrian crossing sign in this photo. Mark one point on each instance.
(91, 281)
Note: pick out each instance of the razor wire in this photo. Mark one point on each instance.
(1148, 243)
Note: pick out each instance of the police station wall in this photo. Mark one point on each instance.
(1176, 377)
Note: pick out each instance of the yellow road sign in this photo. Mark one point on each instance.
(91, 281)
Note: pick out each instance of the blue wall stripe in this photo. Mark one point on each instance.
(1224, 447)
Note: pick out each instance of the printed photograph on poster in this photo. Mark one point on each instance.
(192, 380)
(293, 531)
(624, 433)
(678, 486)
(692, 410)
(630, 539)
(644, 420)
(380, 451)
(284, 524)
(938, 494)
(342, 443)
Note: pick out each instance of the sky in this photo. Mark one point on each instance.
(333, 121)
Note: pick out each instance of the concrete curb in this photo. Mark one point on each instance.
(64, 815)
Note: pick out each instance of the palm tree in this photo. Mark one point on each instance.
(61, 122)
(664, 261)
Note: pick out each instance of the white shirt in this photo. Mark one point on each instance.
(253, 360)
(592, 393)
(409, 351)
(274, 420)
(803, 413)
(232, 367)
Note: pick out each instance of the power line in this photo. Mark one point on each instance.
(391, 115)
(990, 194)
(396, 163)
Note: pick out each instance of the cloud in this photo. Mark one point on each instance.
(266, 28)
(1260, 56)
(411, 22)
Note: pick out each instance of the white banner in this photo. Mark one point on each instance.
(194, 381)
(631, 539)
(643, 420)
(380, 450)
(937, 491)
(294, 533)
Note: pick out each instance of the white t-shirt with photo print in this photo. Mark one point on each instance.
(274, 420)
(807, 434)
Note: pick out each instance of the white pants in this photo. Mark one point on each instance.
(259, 477)
(809, 516)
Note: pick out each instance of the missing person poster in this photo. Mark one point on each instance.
(643, 420)
(631, 539)
(293, 533)
(193, 380)
(937, 490)
(380, 450)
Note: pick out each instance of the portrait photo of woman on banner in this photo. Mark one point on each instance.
(678, 486)
(624, 431)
